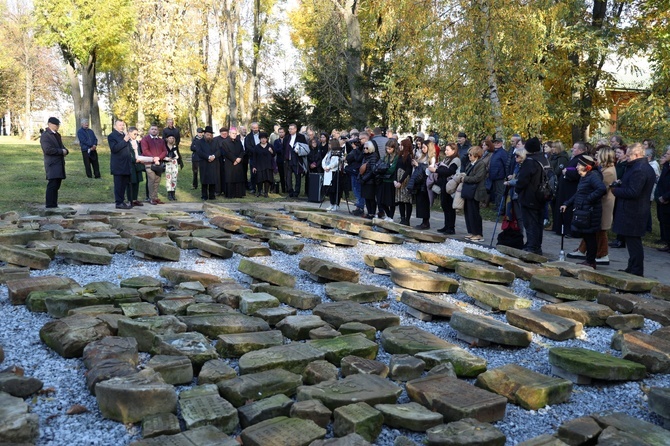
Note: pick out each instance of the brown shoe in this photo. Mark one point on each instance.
(158, 201)
(137, 203)
(154, 201)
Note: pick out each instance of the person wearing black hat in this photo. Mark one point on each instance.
(262, 167)
(200, 132)
(530, 199)
(208, 160)
(587, 206)
(54, 161)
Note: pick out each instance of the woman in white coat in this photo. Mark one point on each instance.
(331, 177)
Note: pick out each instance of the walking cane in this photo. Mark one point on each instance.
(503, 202)
(561, 254)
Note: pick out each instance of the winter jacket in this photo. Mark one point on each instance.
(528, 180)
(590, 191)
(632, 196)
(477, 174)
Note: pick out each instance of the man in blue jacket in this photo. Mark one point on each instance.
(89, 145)
(497, 175)
(633, 203)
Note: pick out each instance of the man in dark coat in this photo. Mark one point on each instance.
(120, 162)
(532, 204)
(292, 162)
(633, 205)
(208, 159)
(89, 149)
(194, 156)
(251, 140)
(233, 152)
(279, 153)
(221, 178)
(54, 161)
(662, 196)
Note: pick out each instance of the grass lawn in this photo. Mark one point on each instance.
(24, 182)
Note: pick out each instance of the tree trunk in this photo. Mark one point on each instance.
(75, 90)
(28, 127)
(140, 98)
(349, 14)
(496, 108)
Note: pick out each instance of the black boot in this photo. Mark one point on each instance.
(266, 189)
(174, 198)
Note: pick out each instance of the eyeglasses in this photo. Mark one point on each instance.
(517, 156)
(470, 154)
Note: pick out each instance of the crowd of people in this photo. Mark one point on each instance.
(534, 186)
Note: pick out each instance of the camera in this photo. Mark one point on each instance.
(616, 183)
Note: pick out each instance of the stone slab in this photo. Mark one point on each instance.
(588, 313)
(234, 345)
(352, 344)
(408, 339)
(265, 273)
(370, 389)
(528, 389)
(282, 431)
(484, 273)
(545, 324)
(456, 399)
(651, 351)
(327, 270)
(465, 364)
(355, 292)
(256, 386)
(425, 281)
(440, 260)
(566, 287)
(619, 280)
(497, 297)
(429, 304)
(339, 313)
(489, 329)
(213, 325)
(596, 365)
(292, 357)
(19, 289)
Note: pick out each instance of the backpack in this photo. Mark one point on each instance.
(547, 189)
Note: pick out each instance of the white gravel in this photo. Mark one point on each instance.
(19, 334)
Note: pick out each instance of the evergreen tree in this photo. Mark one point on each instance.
(284, 108)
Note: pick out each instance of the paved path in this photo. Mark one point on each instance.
(656, 265)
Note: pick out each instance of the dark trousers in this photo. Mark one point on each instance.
(91, 161)
(473, 219)
(245, 168)
(371, 205)
(405, 211)
(208, 192)
(635, 255)
(51, 200)
(133, 191)
(533, 223)
(663, 213)
(293, 179)
(591, 247)
(121, 183)
(447, 202)
(334, 192)
(194, 169)
(497, 192)
(282, 176)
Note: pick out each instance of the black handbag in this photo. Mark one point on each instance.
(381, 168)
(468, 191)
(581, 218)
(158, 168)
